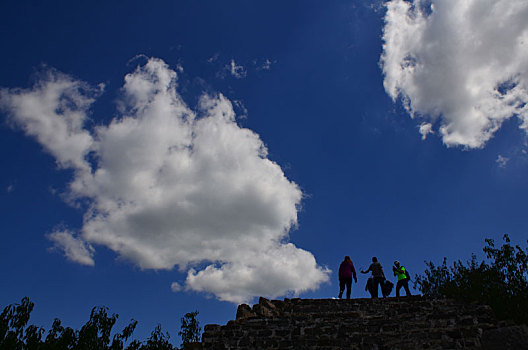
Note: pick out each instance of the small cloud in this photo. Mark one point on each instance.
(10, 188)
(502, 161)
(176, 287)
(137, 59)
(266, 65)
(213, 58)
(53, 190)
(238, 71)
(426, 129)
(75, 249)
(241, 109)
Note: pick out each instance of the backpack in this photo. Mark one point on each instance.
(386, 287)
(407, 274)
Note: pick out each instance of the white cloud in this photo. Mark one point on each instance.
(238, 71)
(266, 65)
(462, 63)
(54, 112)
(74, 249)
(241, 109)
(169, 186)
(426, 129)
(267, 272)
(213, 58)
(502, 161)
(176, 287)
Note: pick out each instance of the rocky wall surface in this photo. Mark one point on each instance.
(367, 324)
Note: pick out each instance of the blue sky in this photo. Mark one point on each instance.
(232, 149)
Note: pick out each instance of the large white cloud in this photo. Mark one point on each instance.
(169, 186)
(462, 66)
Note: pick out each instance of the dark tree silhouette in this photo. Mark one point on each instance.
(13, 321)
(190, 328)
(96, 334)
(500, 281)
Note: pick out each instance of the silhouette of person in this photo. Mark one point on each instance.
(403, 279)
(378, 277)
(346, 272)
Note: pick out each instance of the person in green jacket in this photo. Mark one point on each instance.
(403, 279)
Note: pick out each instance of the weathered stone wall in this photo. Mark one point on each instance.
(374, 324)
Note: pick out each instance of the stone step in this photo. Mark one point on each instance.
(362, 324)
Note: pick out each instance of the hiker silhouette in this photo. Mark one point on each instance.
(346, 272)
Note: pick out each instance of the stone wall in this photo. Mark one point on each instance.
(367, 324)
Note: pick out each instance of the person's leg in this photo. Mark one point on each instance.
(398, 287)
(406, 287)
(341, 287)
(370, 287)
(349, 287)
(376, 283)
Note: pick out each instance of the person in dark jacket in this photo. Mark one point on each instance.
(346, 272)
(378, 277)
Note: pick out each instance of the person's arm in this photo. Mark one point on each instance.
(354, 272)
(369, 269)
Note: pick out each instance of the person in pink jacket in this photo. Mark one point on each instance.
(346, 272)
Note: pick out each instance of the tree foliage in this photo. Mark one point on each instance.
(96, 334)
(499, 281)
(190, 328)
